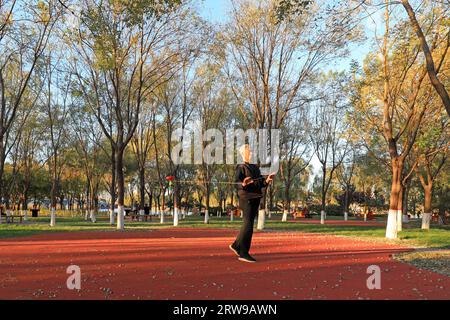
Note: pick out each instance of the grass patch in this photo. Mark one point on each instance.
(437, 261)
(437, 237)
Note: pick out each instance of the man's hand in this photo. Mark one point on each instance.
(270, 178)
(247, 181)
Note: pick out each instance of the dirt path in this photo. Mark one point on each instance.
(197, 264)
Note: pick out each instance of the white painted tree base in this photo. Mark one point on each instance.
(175, 217)
(120, 218)
(391, 228)
(141, 214)
(426, 220)
(161, 217)
(345, 216)
(322, 217)
(52, 217)
(206, 221)
(285, 215)
(93, 218)
(112, 217)
(232, 215)
(261, 219)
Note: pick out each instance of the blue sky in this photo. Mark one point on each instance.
(216, 11)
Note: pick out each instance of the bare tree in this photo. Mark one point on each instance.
(431, 152)
(295, 153)
(56, 103)
(177, 109)
(344, 174)
(142, 143)
(28, 149)
(88, 142)
(25, 29)
(123, 55)
(328, 134)
(211, 100)
(271, 61)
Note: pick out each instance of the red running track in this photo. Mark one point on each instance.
(197, 264)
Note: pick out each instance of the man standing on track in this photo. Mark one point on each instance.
(250, 183)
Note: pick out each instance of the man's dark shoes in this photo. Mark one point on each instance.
(247, 258)
(233, 248)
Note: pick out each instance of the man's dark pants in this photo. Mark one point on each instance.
(244, 239)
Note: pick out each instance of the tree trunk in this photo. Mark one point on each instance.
(88, 200)
(391, 228)
(346, 203)
(261, 218)
(206, 221)
(112, 189)
(2, 169)
(141, 191)
(25, 206)
(400, 209)
(52, 216)
(405, 203)
(323, 198)
(53, 203)
(120, 189)
(150, 200)
(94, 206)
(163, 203)
(176, 206)
(271, 195)
(324, 191)
(426, 217)
(285, 215)
(322, 216)
(286, 202)
(262, 212)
